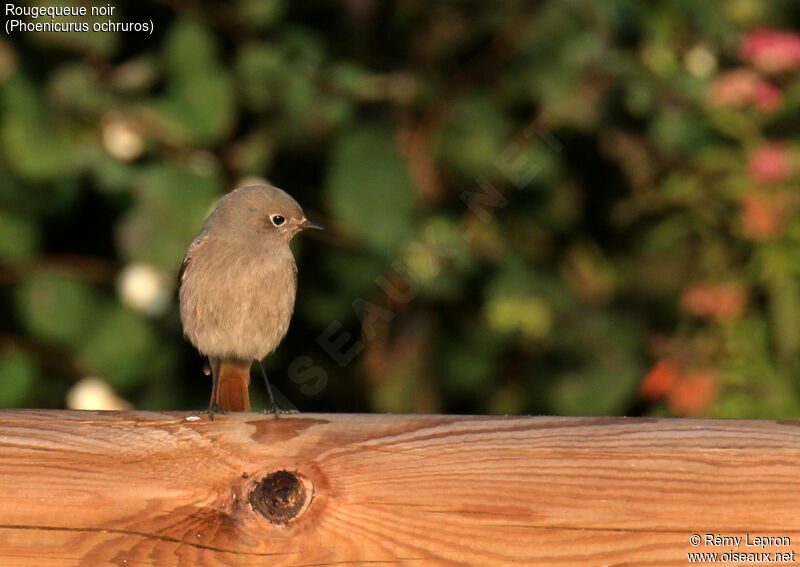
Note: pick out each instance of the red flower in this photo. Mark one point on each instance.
(770, 164)
(694, 393)
(764, 214)
(660, 380)
(771, 51)
(715, 301)
(687, 393)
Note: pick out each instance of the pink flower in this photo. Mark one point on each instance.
(742, 87)
(771, 51)
(770, 164)
(718, 302)
(767, 97)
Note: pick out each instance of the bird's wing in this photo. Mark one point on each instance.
(188, 258)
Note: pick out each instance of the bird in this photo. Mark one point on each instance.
(237, 287)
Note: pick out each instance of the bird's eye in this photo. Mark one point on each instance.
(277, 220)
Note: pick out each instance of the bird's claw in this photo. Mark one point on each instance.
(213, 409)
(276, 411)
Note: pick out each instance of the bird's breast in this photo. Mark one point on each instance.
(238, 300)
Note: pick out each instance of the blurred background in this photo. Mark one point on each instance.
(557, 207)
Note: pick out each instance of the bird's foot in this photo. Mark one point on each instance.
(213, 409)
(276, 411)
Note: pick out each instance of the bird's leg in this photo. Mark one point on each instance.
(275, 409)
(213, 406)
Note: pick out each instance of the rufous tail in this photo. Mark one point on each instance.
(230, 391)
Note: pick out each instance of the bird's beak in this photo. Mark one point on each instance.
(310, 225)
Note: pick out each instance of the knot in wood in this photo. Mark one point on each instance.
(279, 497)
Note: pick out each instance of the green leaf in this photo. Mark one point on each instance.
(476, 135)
(438, 258)
(253, 153)
(56, 308)
(594, 391)
(352, 273)
(111, 175)
(19, 237)
(525, 314)
(77, 88)
(784, 307)
(199, 106)
(35, 146)
(259, 67)
(755, 386)
(605, 369)
(119, 347)
(679, 133)
(468, 364)
(369, 187)
(260, 14)
(18, 378)
(171, 205)
(190, 46)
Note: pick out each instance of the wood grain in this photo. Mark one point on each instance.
(140, 488)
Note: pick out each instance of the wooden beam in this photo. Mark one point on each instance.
(169, 489)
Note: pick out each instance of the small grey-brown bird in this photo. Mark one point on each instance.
(237, 287)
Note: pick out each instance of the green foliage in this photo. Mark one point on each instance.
(120, 361)
(56, 308)
(260, 14)
(199, 104)
(369, 187)
(475, 135)
(35, 146)
(171, 203)
(18, 378)
(565, 207)
(605, 365)
(18, 237)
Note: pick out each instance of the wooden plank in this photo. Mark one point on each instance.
(145, 488)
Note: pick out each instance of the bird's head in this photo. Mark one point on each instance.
(258, 212)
